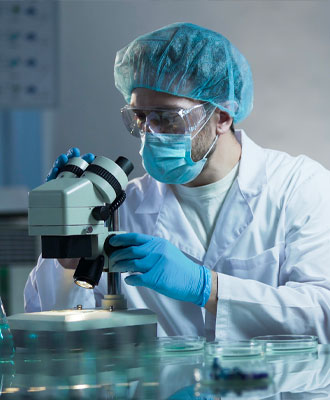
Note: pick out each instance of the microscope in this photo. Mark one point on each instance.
(75, 215)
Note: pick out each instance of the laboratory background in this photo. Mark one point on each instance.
(57, 90)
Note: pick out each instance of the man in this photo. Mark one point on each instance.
(226, 239)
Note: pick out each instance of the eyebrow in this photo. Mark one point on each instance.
(149, 108)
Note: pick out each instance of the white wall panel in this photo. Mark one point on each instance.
(286, 42)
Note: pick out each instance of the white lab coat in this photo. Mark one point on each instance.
(270, 248)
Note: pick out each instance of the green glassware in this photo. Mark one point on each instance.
(7, 347)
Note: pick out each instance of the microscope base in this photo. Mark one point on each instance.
(81, 329)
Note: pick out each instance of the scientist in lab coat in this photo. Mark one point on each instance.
(225, 239)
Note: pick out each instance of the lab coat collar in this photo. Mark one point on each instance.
(153, 197)
(237, 211)
(159, 199)
(251, 177)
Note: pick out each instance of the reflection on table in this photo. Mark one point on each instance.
(152, 371)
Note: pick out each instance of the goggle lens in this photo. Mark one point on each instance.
(138, 121)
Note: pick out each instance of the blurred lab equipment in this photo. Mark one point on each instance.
(29, 32)
(7, 348)
(75, 215)
(18, 250)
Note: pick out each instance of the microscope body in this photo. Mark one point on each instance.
(61, 213)
(75, 215)
(67, 212)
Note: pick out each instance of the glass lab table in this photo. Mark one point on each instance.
(150, 371)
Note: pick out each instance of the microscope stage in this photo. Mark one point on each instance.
(77, 320)
(74, 328)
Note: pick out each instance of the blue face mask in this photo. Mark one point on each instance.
(167, 157)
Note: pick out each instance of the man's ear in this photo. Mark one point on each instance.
(224, 121)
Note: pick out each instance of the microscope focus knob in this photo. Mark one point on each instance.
(108, 249)
(101, 213)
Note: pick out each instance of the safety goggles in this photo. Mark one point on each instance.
(138, 121)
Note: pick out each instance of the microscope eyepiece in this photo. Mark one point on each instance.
(107, 176)
(125, 165)
(72, 168)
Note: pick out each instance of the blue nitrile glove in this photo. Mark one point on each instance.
(64, 158)
(164, 268)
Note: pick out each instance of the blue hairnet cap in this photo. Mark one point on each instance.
(187, 60)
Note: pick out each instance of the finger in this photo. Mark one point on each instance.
(73, 152)
(129, 239)
(134, 280)
(88, 157)
(52, 174)
(130, 266)
(60, 161)
(128, 253)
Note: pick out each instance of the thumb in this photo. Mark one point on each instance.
(52, 174)
(134, 280)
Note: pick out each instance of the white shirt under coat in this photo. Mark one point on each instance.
(270, 247)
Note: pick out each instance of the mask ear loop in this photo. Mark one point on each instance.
(200, 129)
(212, 145)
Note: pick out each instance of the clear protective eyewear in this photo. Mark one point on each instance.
(139, 120)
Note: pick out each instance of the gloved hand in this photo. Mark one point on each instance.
(163, 267)
(64, 158)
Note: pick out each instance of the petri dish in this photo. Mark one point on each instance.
(180, 343)
(287, 343)
(234, 377)
(232, 349)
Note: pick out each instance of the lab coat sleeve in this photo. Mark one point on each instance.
(301, 302)
(51, 287)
